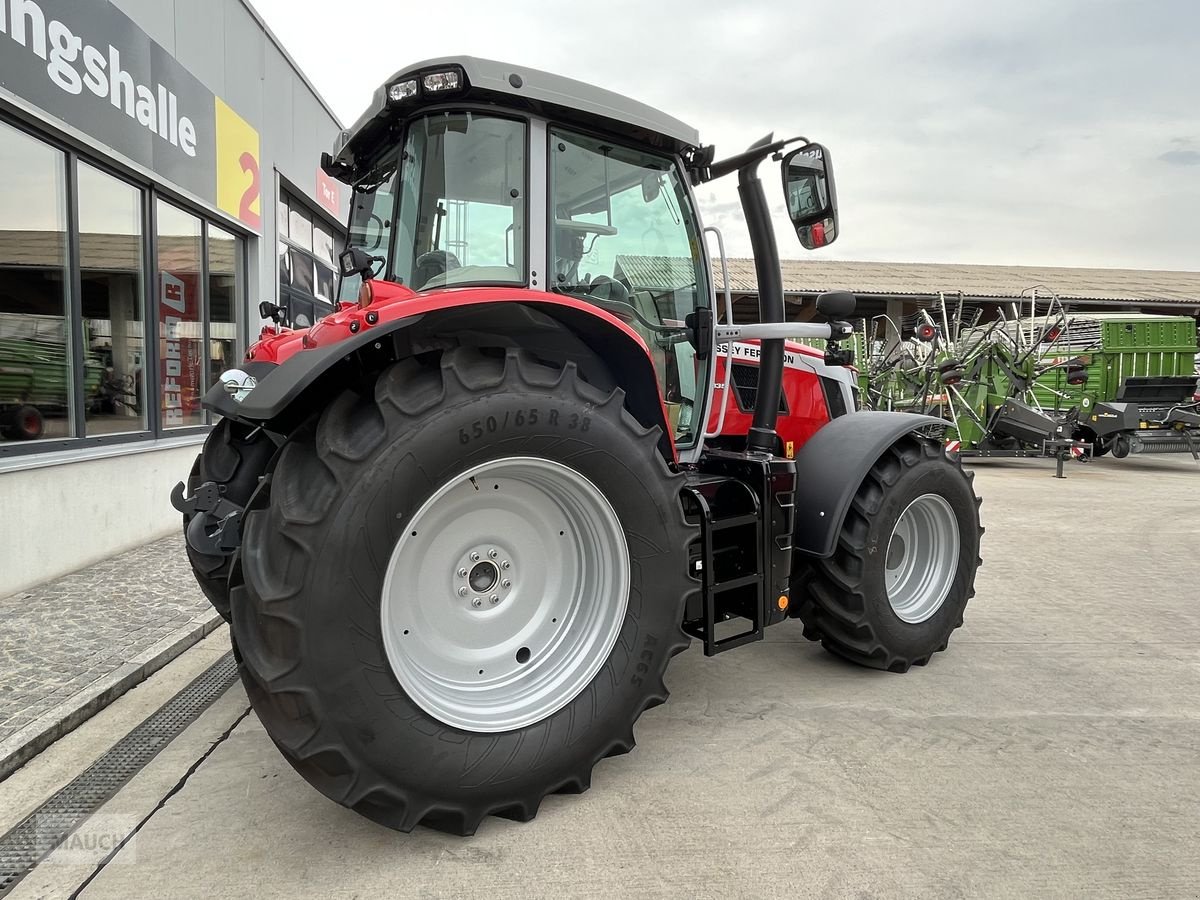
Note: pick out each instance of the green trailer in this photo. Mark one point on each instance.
(1115, 347)
(35, 374)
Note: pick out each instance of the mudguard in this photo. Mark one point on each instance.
(1105, 418)
(607, 351)
(832, 465)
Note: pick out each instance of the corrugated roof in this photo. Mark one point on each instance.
(115, 252)
(657, 272)
(929, 279)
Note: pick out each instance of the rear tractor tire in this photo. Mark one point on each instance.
(462, 591)
(904, 567)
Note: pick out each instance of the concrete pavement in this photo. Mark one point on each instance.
(1054, 750)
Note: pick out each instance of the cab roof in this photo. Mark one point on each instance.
(516, 87)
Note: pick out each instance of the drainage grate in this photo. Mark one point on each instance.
(34, 838)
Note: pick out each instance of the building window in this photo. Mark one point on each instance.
(224, 299)
(110, 268)
(180, 317)
(307, 262)
(85, 288)
(36, 384)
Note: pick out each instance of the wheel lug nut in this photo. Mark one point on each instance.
(506, 583)
(462, 592)
(495, 598)
(506, 564)
(462, 573)
(492, 553)
(474, 556)
(477, 602)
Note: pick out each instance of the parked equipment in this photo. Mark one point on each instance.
(34, 374)
(461, 525)
(980, 378)
(1040, 380)
(1138, 390)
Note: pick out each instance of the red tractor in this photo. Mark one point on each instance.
(460, 525)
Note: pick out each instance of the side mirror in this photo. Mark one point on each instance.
(810, 194)
(836, 304)
(271, 311)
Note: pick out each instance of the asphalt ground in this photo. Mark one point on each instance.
(1053, 750)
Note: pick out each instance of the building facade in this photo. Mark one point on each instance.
(161, 178)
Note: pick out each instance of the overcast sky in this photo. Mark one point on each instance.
(1010, 131)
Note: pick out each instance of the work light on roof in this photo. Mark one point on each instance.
(436, 82)
(402, 90)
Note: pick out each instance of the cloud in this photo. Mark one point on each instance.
(1182, 157)
(988, 133)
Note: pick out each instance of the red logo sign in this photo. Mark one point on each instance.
(328, 194)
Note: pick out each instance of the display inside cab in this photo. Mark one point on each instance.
(810, 194)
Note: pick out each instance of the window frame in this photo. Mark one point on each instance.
(285, 194)
(704, 285)
(389, 270)
(150, 191)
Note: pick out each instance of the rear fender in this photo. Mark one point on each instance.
(832, 465)
(606, 351)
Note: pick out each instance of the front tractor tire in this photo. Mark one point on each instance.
(462, 591)
(905, 562)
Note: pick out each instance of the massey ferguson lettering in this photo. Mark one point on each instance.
(74, 65)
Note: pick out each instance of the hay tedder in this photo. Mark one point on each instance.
(1037, 380)
(460, 525)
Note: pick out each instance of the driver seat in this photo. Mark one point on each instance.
(431, 264)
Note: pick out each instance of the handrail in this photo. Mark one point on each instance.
(705, 434)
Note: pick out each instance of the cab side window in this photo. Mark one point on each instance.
(623, 236)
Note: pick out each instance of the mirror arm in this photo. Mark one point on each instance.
(760, 151)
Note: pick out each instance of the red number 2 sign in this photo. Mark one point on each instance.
(237, 157)
(250, 197)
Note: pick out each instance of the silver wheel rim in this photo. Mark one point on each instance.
(922, 558)
(505, 594)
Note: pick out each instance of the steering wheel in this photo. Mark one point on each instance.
(609, 289)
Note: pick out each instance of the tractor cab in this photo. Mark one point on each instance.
(475, 174)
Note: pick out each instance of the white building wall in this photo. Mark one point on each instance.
(57, 519)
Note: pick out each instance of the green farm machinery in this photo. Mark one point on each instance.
(1038, 380)
(1140, 395)
(34, 374)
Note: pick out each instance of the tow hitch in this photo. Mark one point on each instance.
(214, 525)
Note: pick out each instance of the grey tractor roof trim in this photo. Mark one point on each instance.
(544, 87)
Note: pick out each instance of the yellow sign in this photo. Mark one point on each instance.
(239, 187)
(790, 449)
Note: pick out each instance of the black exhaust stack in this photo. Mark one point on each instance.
(762, 437)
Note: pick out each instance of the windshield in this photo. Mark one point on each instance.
(625, 238)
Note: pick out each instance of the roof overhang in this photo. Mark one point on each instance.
(515, 87)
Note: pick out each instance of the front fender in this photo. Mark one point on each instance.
(832, 465)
